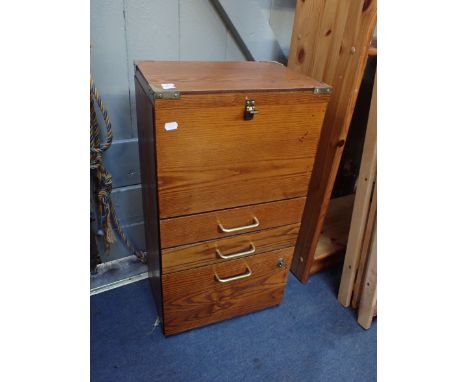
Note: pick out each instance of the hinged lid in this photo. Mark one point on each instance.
(170, 79)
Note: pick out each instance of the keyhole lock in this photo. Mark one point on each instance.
(281, 262)
(249, 111)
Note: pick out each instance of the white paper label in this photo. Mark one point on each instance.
(171, 126)
(168, 86)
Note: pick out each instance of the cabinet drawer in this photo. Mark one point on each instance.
(206, 226)
(204, 295)
(220, 250)
(215, 159)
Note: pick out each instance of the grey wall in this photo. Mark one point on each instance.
(126, 30)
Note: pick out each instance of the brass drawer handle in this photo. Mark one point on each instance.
(238, 277)
(236, 229)
(238, 254)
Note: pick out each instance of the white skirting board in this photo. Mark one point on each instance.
(117, 273)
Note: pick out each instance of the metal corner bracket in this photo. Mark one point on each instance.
(325, 89)
(160, 93)
(154, 92)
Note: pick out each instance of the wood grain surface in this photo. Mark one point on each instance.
(215, 159)
(224, 76)
(147, 154)
(217, 168)
(366, 240)
(191, 256)
(202, 227)
(364, 190)
(194, 297)
(330, 42)
(335, 230)
(334, 236)
(332, 259)
(368, 302)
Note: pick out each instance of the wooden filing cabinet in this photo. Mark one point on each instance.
(226, 154)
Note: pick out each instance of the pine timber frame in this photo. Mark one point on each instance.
(330, 43)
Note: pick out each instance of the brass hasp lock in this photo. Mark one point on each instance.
(249, 111)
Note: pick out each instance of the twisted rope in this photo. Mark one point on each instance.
(104, 178)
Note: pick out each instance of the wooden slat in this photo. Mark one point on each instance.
(373, 47)
(368, 304)
(361, 205)
(332, 244)
(372, 51)
(327, 262)
(330, 42)
(336, 227)
(370, 226)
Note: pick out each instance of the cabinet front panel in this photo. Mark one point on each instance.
(204, 295)
(207, 226)
(210, 158)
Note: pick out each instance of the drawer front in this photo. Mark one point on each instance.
(220, 250)
(204, 295)
(215, 159)
(206, 226)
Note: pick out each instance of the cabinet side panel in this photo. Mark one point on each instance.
(146, 143)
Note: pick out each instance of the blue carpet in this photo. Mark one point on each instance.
(309, 337)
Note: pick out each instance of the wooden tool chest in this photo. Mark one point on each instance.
(226, 154)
